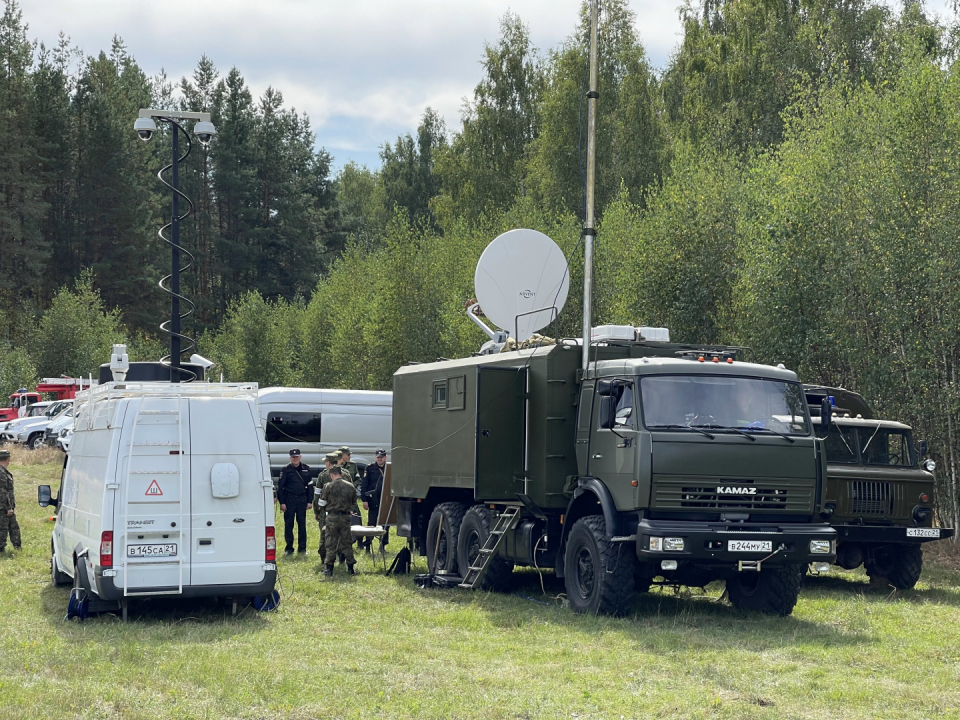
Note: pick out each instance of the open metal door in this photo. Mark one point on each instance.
(501, 433)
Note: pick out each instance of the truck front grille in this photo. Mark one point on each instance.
(788, 495)
(871, 498)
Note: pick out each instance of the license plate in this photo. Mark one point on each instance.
(169, 550)
(749, 545)
(923, 532)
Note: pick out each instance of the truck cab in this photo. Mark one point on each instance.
(879, 490)
(662, 463)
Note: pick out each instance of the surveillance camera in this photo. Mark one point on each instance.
(145, 128)
(204, 130)
(202, 361)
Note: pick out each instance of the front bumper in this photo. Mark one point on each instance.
(890, 534)
(708, 542)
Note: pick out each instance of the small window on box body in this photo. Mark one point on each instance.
(440, 394)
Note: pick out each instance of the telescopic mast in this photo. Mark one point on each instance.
(589, 232)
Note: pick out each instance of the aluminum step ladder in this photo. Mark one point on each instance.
(144, 411)
(507, 521)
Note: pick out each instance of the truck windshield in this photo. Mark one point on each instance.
(841, 444)
(885, 446)
(750, 404)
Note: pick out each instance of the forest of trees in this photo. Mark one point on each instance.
(788, 182)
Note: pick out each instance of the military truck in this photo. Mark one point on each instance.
(879, 489)
(661, 462)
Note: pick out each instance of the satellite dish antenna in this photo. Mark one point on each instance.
(521, 282)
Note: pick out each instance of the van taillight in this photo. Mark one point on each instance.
(271, 545)
(106, 549)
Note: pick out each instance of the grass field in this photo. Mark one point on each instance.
(374, 646)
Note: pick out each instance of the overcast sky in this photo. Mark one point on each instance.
(363, 70)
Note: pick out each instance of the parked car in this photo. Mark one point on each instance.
(38, 412)
(56, 425)
(66, 435)
(32, 433)
(320, 421)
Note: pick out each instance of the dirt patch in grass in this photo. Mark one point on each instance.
(945, 554)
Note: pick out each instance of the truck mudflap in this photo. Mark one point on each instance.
(890, 534)
(739, 545)
(107, 589)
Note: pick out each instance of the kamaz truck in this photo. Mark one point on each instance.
(879, 491)
(661, 463)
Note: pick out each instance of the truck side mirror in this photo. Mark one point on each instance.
(45, 497)
(826, 415)
(605, 388)
(608, 412)
(922, 448)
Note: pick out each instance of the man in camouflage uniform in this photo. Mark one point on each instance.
(329, 460)
(352, 473)
(338, 499)
(8, 505)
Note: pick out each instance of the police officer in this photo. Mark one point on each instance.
(294, 489)
(8, 505)
(338, 499)
(329, 460)
(370, 490)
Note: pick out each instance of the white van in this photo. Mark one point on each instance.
(166, 491)
(321, 421)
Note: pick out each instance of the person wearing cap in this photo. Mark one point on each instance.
(329, 460)
(370, 490)
(338, 498)
(8, 505)
(351, 472)
(294, 489)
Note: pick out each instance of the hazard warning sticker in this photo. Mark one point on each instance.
(154, 489)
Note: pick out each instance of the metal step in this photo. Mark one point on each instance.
(507, 520)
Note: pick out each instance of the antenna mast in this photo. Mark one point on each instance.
(589, 232)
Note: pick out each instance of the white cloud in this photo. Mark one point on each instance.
(363, 70)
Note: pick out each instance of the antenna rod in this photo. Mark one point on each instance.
(589, 232)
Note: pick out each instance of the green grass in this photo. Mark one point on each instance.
(373, 646)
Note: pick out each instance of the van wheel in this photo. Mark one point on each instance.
(57, 578)
(774, 591)
(901, 565)
(599, 574)
(35, 441)
(474, 531)
(442, 533)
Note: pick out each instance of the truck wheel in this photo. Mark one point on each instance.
(599, 573)
(57, 578)
(35, 441)
(773, 591)
(474, 531)
(442, 552)
(901, 565)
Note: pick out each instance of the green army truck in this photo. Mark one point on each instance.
(879, 489)
(662, 463)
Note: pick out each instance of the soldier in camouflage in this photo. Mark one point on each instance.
(329, 460)
(8, 505)
(338, 499)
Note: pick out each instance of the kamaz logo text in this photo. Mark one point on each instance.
(729, 490)
(527, 294)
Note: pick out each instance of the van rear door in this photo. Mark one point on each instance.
(230, 492)
(154, 494)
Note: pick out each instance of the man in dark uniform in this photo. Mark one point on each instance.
(329, 460)
(294, 489)
(370, 490)
(338, 499)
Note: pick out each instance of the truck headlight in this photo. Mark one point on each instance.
(675, 544)
(929, 465)
(820, 547)
(656, 544)
(668, 565)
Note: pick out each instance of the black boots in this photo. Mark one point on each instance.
(328, 570)
(350, 568)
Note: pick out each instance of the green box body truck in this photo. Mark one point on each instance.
(879, 490)
(660, 463)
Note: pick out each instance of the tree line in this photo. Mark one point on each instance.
(788, 183)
